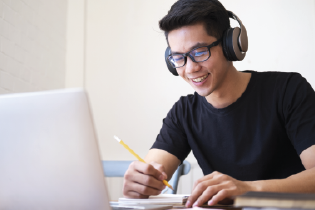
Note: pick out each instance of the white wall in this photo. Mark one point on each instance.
(32, 38)
(281, 35)
(130, 88)
(75, 56)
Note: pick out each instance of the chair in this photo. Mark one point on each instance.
(118, 168)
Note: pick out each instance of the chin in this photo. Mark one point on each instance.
(203, 93)
(204, 90)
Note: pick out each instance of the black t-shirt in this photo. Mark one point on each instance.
(258, 137)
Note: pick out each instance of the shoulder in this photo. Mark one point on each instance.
(276, 75)
(288, 82)
(189, 100)
(278, 81)
(186, 105)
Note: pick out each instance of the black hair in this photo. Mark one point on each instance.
(189, 12)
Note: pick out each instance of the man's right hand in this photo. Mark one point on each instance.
(142, 180)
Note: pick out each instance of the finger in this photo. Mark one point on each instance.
(207, 195)
(164, 176)
(146, 180)
(147, 169)
(134, 194)
(215, 178)
(160, 168)
(128, 192)
(205, 178)
(197, 192)
(193, 197)
(144, 189)
(221, 195)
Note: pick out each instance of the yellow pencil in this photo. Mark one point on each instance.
(138, 157)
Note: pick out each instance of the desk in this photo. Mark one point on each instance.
(211, 207)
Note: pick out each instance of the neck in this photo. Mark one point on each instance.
(233, 86)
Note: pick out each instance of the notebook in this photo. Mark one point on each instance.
(169, 199)
(49, 153)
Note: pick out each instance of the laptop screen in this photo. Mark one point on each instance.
(49, 152)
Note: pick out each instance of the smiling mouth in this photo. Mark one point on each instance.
(200, 79)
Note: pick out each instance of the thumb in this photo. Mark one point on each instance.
(160, 168)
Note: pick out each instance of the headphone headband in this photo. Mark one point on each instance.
(243, 40)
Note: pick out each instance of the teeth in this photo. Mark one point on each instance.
(200, 78)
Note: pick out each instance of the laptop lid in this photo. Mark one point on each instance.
(49, 157)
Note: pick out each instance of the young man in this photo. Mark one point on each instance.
(249, 131)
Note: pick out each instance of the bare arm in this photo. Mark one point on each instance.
(301, 182)
(144, 179)
(217, 186)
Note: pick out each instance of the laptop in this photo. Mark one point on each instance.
(49, 155)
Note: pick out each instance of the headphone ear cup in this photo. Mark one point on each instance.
(231, 46)
(227, 45)
(224, 45)
(169, 66)
(237, 52)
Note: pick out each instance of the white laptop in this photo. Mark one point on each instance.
(49, 156)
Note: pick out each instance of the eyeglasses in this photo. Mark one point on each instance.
(198, 54)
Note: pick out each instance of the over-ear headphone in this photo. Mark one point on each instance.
(234, 44)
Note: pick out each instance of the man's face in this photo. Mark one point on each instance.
(207, 76)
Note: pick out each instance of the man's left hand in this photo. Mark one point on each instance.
(216, 187)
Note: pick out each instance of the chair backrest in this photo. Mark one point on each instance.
(183, 169)
(117, 168)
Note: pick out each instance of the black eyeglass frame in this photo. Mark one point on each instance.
(185, 55)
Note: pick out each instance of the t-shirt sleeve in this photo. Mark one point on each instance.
(299, 112)
(172, 137)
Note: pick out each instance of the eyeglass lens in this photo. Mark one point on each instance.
(200, 54)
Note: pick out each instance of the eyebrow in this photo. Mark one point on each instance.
(202, 44)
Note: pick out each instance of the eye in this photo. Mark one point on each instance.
(177, 58)
(199, 53)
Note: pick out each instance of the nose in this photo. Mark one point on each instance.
(191, 66)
